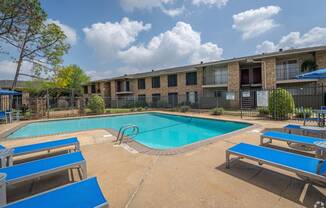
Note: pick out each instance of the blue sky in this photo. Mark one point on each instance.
(114, 37)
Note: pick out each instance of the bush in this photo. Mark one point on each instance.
(217, 111)
(96, 104)
(184, 108)
(300, 112)
(263, 111)
(281, 104)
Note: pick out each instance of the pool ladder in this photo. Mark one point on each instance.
(123, 129)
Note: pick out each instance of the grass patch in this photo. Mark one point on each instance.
(119, 110)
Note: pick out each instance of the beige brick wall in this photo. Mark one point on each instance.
(113, 89)
(233, 76)
(164, 90)
(321, 59)
(234, 82)
(269, 79)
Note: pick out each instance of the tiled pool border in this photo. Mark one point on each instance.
(140, 147)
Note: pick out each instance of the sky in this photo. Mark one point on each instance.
(115, 37)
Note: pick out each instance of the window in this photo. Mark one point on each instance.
(191, 78)
(173, 99)
(85, 89)
(287, 69)
(127, 86)
(141, 84)
(118, 86)
(192, 97)
(156, 82)
(172, 80)
(93, 89)
(214, 75)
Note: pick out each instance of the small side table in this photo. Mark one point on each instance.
(321, 148)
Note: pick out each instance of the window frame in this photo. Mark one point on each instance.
(142, 84)
(172, 80)
(190, 81)
(158, 84)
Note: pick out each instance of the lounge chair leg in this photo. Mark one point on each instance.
(261, 140)
(304, 192)
(77, 147)
(227, 161)
(83, 171)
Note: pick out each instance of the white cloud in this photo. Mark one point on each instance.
(174, 12)
(131, 5)
(108, 38)
(69, 31)
(255, 22)
(218, 3)
(180, 45)
(315, 37)
(8, 70)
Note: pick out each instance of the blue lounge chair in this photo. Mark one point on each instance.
(34, 148)
(294, 129)
(309, 167)
(82, 194)
(289, 138)
(3, 116)
(46, 166)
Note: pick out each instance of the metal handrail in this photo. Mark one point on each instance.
(123, 129)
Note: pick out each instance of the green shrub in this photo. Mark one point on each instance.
(300, 112)
(96, 104)
(184, 108)
(281, 104)
(140, 109)
(217, 111)
(263, 111)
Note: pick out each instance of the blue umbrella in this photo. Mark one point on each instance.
(318, 74)
(9, 92)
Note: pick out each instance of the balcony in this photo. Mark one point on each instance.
(123, 88)
(216, 77)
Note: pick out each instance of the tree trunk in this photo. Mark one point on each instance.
(20, 60)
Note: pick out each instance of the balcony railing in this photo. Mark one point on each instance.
(286, 74)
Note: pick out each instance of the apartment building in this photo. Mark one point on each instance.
(214, 79)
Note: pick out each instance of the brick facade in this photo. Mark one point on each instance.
(321, 59)
(234, 76)
(269, 79)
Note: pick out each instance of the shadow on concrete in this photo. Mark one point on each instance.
(31, 187)
(285, 186)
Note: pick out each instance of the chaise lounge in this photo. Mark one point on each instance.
(290, 138)
(85, 193)
(312, 168)
(46, 166)
(7, 154)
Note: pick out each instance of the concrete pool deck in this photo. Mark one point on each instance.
(197, 178)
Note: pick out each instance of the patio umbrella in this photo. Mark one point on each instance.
(9, 92)
(318, 74)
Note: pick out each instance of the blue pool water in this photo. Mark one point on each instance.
(159, 131)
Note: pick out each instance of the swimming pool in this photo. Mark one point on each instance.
(156, 130)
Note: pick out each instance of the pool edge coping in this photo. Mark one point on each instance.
(141, 148)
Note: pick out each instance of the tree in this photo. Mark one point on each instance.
(71, 77)
(36, 40)
(12, 13)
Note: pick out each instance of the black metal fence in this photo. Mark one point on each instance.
(253, 103)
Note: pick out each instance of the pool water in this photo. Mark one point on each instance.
(158, 131)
